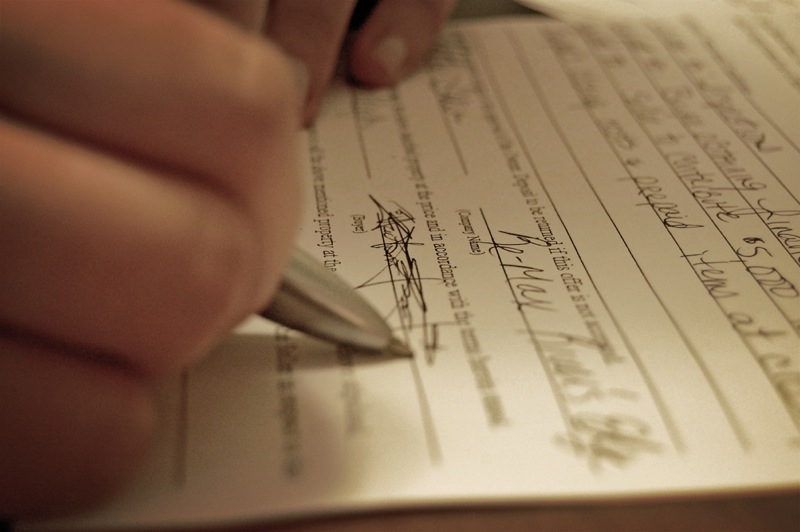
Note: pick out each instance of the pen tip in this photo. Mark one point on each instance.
(398, 349)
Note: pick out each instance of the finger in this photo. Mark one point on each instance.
(395, 39)
(171, 84)
(249, 14)
(71, 431)
(204, 238)
(312, 31)
(122, 259)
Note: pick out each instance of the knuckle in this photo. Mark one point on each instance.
(265, 87)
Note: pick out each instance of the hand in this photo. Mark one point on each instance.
(394, 38)
(148, 201)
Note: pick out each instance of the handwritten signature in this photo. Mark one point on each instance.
(396, 228)
(529, 284)
(609, 439)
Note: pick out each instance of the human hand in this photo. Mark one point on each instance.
(148, 201)
(392, 38)
(147, 204)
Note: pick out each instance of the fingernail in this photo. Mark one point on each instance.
(391, 55)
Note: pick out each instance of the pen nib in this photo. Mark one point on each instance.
(397, 348)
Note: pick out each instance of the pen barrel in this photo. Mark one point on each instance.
(313, 300)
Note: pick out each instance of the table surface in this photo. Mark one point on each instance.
(778, 512)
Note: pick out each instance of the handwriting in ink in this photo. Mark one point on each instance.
(396, 228)
(712, 274)
(761, 210)
(608, 439)
(669, 212)
(747, 326)
(529, 284)
(753, 248)
(773, 281)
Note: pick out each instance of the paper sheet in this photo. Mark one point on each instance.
(589, 235)
(717, 13)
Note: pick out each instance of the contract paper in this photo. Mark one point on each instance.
(588, 234)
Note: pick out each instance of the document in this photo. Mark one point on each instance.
(588, 234)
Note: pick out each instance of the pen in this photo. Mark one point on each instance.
(313, 300)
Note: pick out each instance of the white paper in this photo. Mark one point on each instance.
(589, 236)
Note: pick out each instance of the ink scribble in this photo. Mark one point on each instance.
(396, 228)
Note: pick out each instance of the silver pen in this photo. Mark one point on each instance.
(315, 301)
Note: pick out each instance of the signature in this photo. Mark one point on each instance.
(609, 439)
(396, 227)
(529, 284)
